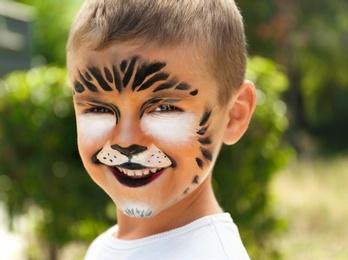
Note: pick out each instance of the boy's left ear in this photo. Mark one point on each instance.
(240, 109)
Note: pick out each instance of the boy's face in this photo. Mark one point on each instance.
(149, 125)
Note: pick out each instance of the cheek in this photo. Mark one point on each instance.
(173, 128)
(93, 128)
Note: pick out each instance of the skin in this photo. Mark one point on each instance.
(177, 116)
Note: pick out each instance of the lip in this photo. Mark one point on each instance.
(135, 182)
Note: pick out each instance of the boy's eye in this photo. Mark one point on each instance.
(167, 108)
(99, 110)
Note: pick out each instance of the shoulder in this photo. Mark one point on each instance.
(98, 245)
(215, 236)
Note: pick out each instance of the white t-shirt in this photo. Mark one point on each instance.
(211, 237)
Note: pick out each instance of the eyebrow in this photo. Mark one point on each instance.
(92, 102)
(156, 100)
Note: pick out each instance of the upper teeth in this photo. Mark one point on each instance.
(138, 173)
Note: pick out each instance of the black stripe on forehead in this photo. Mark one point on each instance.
(182, 86)
(88, 84)
(79, 88)
(194, 92)
(144, 71)
(123, 65)
(144, 74)
(99, 77)
(108, 75)
(118, 82)
(149, 83)
(129, 71)
(166, 85)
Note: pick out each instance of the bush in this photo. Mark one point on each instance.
(243, 171)
(41, 168)
(40, 164)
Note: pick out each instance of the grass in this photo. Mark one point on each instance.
(313, 196)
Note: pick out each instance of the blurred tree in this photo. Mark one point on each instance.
(50, 29)
(309, 39)
(244, 171)
(40, 165)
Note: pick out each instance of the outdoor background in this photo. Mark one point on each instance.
(284, 183)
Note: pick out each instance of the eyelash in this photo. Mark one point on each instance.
(99, 110)
(164, 108)
(167, 108)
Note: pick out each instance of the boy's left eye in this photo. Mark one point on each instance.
(167, 108)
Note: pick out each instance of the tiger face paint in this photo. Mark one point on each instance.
(149, 125)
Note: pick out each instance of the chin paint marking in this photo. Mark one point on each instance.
(137, 210)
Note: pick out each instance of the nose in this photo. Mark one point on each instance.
(128, 138)
(130, 150)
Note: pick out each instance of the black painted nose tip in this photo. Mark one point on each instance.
(130, 150)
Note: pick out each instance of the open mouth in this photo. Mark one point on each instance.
(136, 178)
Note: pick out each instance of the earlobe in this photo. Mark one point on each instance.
(240, 110)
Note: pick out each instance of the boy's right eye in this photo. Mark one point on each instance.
(99, 110)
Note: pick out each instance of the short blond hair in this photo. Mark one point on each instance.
(215, 27)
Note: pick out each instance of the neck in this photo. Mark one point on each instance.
(199, 203)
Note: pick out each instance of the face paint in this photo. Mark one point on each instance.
(168, 149)
(137, 210)
(94, 127)
(172, 128)
(152, 158)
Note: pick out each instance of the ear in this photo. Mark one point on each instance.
(240, 109)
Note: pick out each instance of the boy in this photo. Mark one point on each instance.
(158, 87)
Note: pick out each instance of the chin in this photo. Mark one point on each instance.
(138, 210)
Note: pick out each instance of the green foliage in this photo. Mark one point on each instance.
(51, 27)
(243, 171)
(40, 165)
(309, 38)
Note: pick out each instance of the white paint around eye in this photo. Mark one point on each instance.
(94, 127)
(174, 128)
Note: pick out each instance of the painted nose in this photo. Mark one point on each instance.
(130, 150)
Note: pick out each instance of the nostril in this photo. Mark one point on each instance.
(130, 150)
